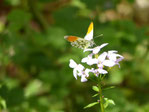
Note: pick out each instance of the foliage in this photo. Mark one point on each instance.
(34, 57)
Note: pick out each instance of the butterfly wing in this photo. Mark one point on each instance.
(77, 41)
(89, 35)
(71, 38)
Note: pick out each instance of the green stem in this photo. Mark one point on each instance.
(100, 96)
(100, 89)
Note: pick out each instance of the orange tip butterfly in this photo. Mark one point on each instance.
(82, 43)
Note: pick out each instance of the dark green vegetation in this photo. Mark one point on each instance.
(34, 57)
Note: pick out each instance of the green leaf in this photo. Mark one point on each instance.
(95, 88)
(107, 102)
(33, 88)
(91, 105)
(111, 102)
(3, 103)
(95, 95)
(109, 87)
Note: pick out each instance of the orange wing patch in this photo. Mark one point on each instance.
(90, 28)
(71, 38)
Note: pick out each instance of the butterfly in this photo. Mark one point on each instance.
(82, 43)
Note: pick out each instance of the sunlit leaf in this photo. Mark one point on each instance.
(111, 87)
(95, 95)
(95, 88)
(33, 88)
(107, 102)
(91, 105)
(3, 103)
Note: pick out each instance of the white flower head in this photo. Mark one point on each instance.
(108, 59)
(114, 58)
(77, 68)
(109, 63)
(89, 60)
(85, 75)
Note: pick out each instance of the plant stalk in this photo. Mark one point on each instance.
(100, 96)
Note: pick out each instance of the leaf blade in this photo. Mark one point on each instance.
(91, 105)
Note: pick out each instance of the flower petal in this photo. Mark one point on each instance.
(120, 59)
(92, 61)
(112, 51)
(100, 65)
(80, 67)
(87, 72)
(113, 56)
(87, 50)
(89, 60)
(97, 49)
(72, 63)
(102, 57)
(84, 60)
(83, 78)
(102, 71)
(75, 73)
(109, 63)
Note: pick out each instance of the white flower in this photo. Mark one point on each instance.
(77, 68)
(102, 57)
(83, 78)
(89, 60)
(85, 74)
(96, 49)
(108, 59)
(99, 71)
(114, 58)
(109, 63)
(99, 61)
(102, 71)
(102, 60)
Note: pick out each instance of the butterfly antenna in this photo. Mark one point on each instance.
(99, 35)
(96, 37)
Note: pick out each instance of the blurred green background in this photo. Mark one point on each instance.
(34, 57)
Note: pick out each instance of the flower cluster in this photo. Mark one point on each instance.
(105, 59)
